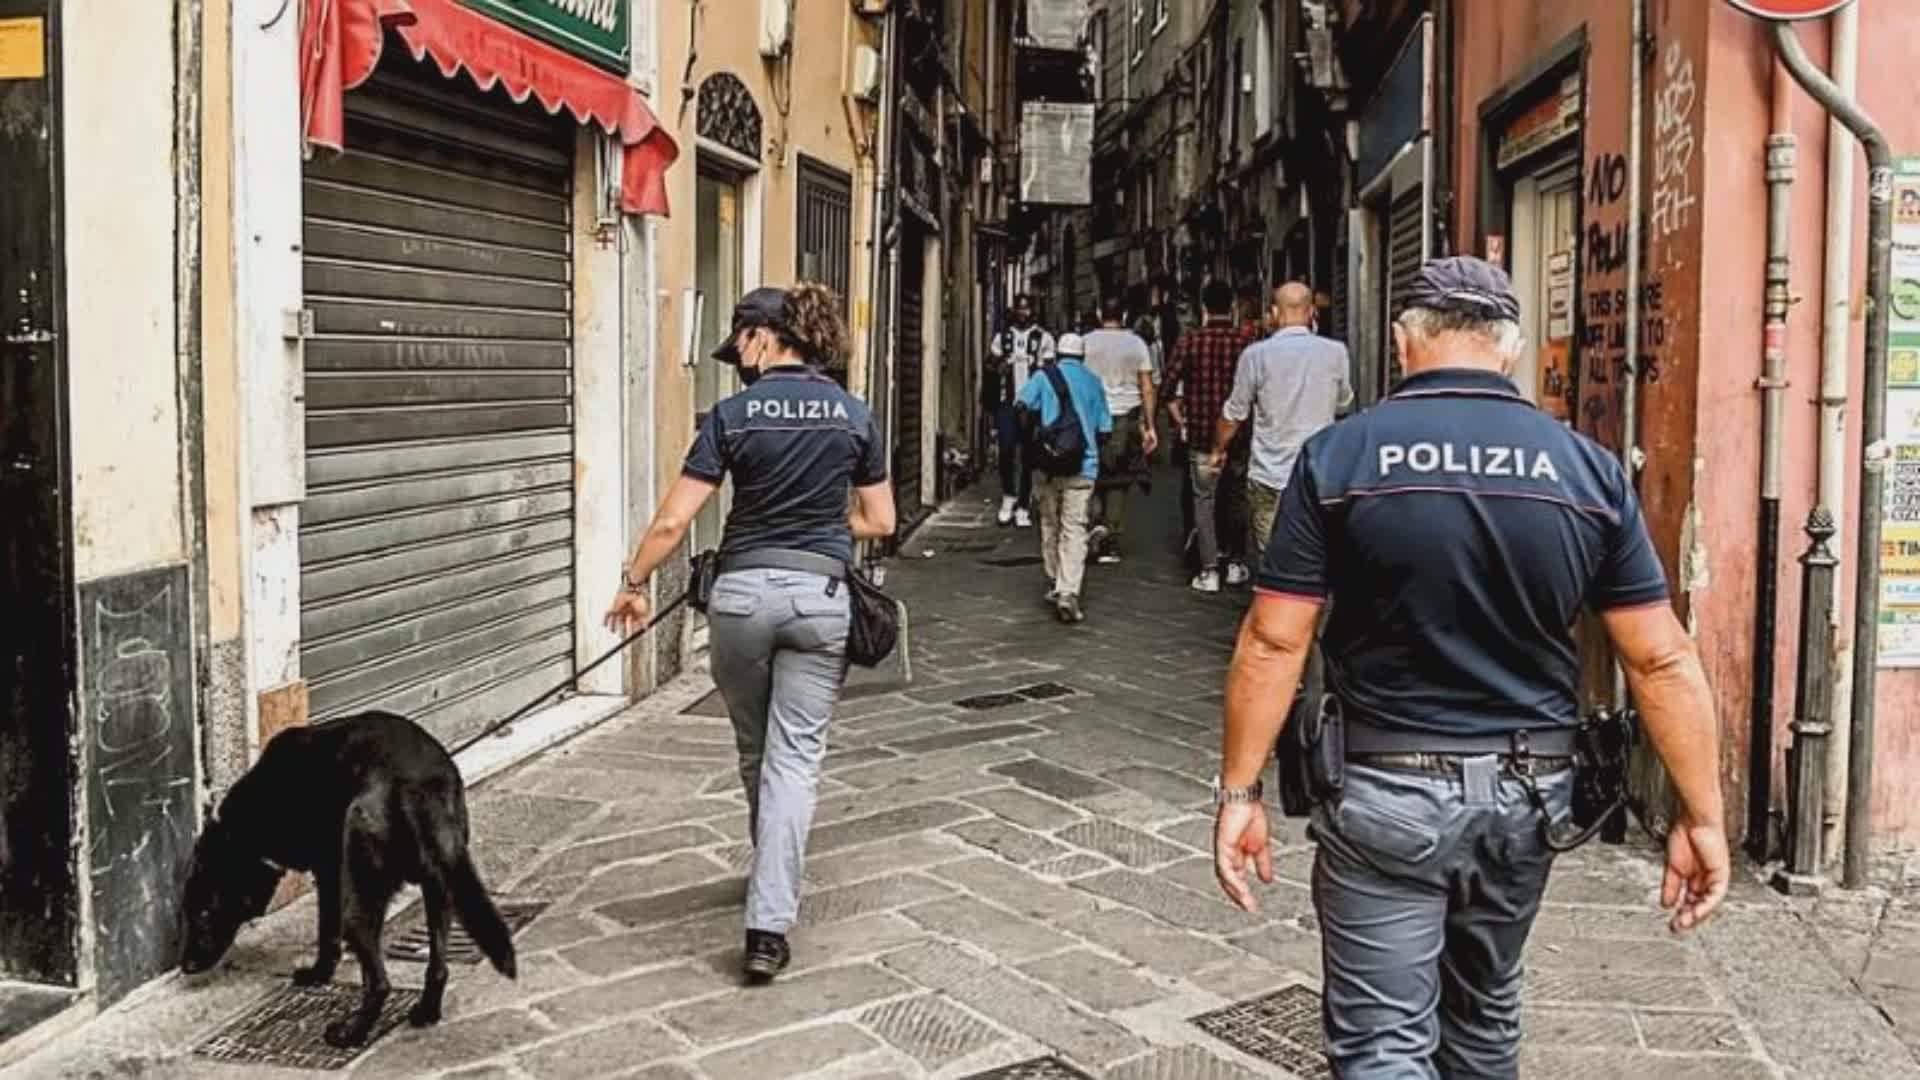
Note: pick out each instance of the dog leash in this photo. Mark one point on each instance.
(573, 679)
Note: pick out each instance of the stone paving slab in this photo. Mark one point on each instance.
(1028, 881)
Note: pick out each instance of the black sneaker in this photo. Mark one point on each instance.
(767, 955)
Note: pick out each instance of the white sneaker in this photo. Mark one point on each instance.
(1208, 582)
(1237, 573)
(1022, 519)
(1005, 517)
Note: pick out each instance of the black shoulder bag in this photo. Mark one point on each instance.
(875, 627)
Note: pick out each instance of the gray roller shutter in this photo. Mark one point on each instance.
(908, 446)
(436, 540)
(1406, 250)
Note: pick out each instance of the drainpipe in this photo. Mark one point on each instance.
(1630, 420)
(1836, 337)
(879, 221)
(1873, 448)
(1773, 388)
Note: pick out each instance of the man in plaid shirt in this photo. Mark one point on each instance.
(1200, 375)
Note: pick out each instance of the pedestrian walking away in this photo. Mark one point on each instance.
(1199, 379)
(1063, 497)
(794, 443)
(1460, 531)
(1018, 350)
(1124, 365)
(1289, 385)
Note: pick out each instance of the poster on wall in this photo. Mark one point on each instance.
(1900, 529)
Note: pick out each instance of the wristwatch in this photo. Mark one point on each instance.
(628, 585)
(1223, 796)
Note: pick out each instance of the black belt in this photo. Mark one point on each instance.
(1365, 738)
(802, 562)
(1449, 764)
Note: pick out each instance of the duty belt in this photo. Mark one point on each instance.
(1542, 751)
(803, 562)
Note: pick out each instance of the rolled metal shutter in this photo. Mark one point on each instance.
(1406, 251)
(436, 540)
(907, 441)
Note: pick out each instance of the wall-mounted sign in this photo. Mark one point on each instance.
(23, 48)
(594, 30)
(1900, 521)
(1550, 119)
(1790, 9)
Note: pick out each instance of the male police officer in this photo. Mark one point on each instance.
(1460, 530)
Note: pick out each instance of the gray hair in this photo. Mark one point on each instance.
(1503, 335)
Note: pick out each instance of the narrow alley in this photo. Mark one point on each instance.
(1010, 865)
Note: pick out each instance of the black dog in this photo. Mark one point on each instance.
(367, 803)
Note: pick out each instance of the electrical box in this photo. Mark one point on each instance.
(776, 28)
(864, 83)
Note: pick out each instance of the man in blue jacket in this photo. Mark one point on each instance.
(1062, 500)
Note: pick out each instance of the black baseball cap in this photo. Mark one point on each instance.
(764, 306)
(1466, 285)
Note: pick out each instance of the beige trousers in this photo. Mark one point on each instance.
(1062, 505)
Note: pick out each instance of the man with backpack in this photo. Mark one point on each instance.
(1064, 409)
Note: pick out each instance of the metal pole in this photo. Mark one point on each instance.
(1873, 448)
(1772, 385)
(1812, 715)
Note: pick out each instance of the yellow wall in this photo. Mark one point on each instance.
(121, 313)
(818, 121)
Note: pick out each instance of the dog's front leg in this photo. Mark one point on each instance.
(326, 882)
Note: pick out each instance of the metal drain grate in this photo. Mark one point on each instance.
(412, 945)
(1282, 1027)
(983, 702)
(1009, 561)
(288, 1027)
(1046, 1068)
(1046, 691)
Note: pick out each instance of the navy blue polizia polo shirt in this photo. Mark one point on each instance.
(1460, 530)
(795, 443)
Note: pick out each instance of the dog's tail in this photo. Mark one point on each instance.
(477, 913)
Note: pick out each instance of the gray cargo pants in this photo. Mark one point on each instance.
(1426, 893)
(779, 655)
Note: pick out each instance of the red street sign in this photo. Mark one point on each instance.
(1789, 9)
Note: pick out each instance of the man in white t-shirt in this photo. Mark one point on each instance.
(1125, 366)
(1016, 352)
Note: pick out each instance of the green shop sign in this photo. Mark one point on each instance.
(595, 30)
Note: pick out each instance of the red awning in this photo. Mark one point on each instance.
(340, 42)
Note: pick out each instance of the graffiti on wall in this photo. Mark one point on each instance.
(1674, 141)
(138, 710)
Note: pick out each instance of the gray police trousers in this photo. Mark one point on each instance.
(779, 642)
(1426, 892)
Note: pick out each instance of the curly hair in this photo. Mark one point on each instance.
(814, 327)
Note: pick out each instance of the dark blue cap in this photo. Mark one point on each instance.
(1467, 285)
(765, 306)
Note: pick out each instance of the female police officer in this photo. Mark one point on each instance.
(794, 443)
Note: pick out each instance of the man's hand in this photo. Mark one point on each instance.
(1240, 837)
(1698, 870)
(628, 613)
(1217, 459)
(1149, 440)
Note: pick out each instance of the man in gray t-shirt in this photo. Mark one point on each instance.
(1125, 366)
(1290, 385)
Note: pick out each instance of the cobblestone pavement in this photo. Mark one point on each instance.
(1004, 870)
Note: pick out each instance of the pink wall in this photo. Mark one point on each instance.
(1706, 251)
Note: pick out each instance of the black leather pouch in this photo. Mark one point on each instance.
(705, 571)
(1311, 756)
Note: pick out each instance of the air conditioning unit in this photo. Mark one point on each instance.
(864, 83)
(776, 28)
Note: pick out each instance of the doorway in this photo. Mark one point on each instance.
(1545, 224)
(39, 891)
(719, 275)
